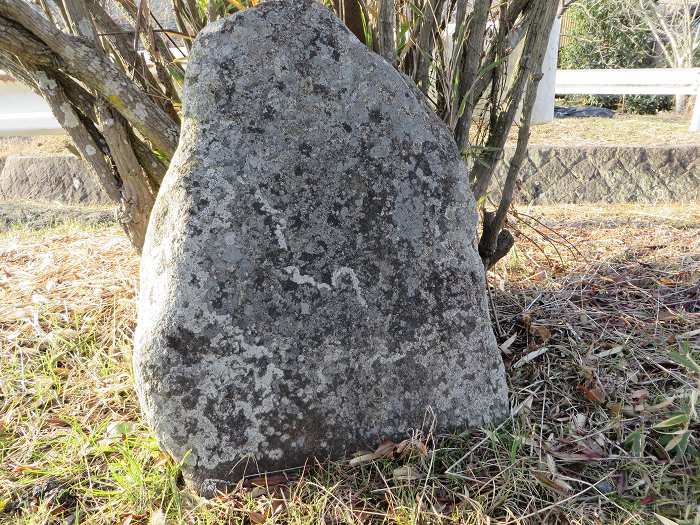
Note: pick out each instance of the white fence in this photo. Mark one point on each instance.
(22, 112)
(632, 82)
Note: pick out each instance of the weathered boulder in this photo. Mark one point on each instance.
(64, 179)
(309, 282)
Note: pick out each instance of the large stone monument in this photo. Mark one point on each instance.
(309, 283)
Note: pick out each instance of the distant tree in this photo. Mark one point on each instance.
(610, 34)
(675, 25)
(114, 83)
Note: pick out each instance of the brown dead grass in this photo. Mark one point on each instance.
(664, 129)
(598, 316)
(40, 145)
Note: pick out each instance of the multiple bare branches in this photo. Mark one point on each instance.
(101, 92)
(675, 26)
(460, 55)
(495, 240)
(115, 85)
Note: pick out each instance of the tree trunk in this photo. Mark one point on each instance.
(352, 16)
(387, 31)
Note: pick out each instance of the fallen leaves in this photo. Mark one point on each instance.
(257, 517)
(406, 473)
(665, 521)
(593, 393)
(608, 353)
(271, 480)
(530, 357)
(387, 449)
(363, 459)
(554, 483)
(673, 421)
(552, 479)
(132, 518)
(543, 333)
(157, 517)
(506, 344)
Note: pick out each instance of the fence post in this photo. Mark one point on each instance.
(695, 119)
(543, 110)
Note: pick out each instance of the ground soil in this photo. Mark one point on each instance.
(664, 129)
(40, 145)
(38, 215)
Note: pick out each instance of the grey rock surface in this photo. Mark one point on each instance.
(607, 174)
(64, 179)
(309, 282)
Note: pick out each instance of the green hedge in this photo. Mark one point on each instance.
(606, 34)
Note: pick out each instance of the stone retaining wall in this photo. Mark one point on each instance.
(605, 174)
(552, 175)
(56, 178)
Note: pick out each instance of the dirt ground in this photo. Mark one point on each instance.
(40, 145)
(664, 129)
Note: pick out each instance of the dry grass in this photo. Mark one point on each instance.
(664, 129)
(600, 336)
(39, 145)
(35, 145)
(36, 215)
